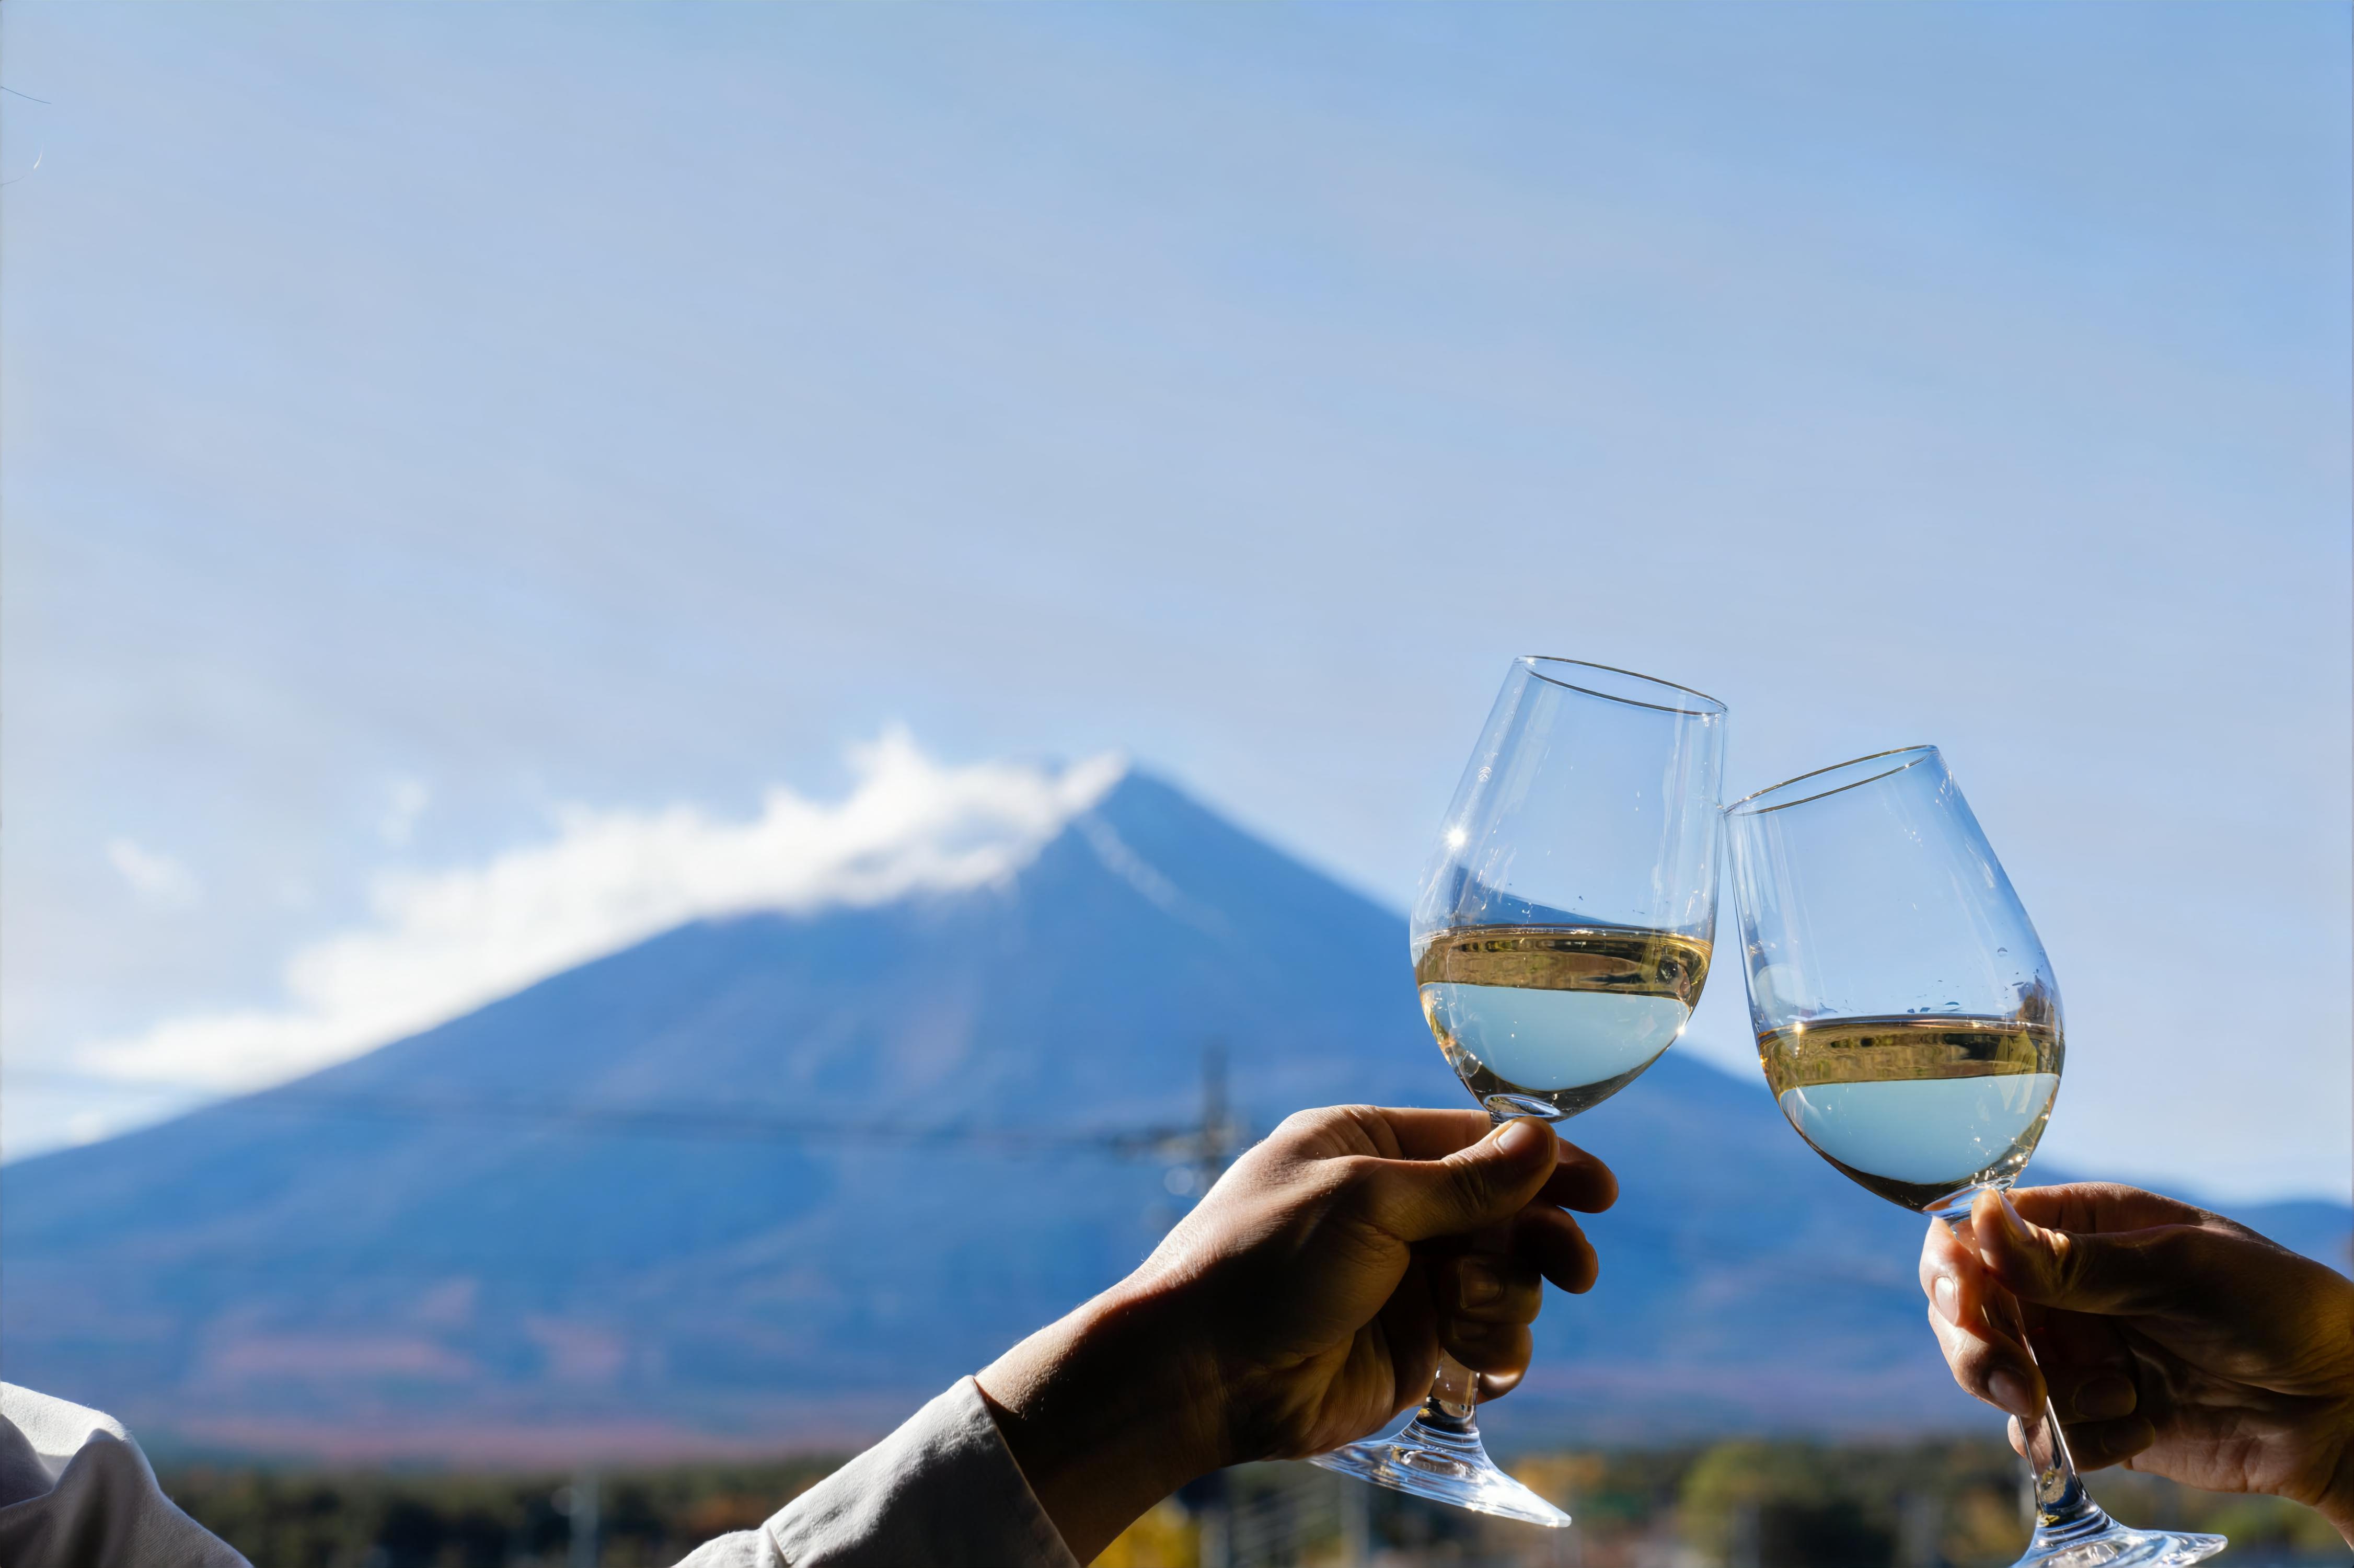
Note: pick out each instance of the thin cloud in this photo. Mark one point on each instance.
(440, 944)
(405, 802)
(155, 879)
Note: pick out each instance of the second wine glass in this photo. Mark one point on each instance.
(1560, 943)
(1910, 1030)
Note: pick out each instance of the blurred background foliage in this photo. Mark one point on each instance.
(1750, 1503)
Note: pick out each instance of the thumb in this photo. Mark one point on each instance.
(2126, 1272)
(1471, 1189)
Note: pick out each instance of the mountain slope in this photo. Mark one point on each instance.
(752, 1241)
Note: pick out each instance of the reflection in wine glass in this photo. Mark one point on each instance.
(1559, 945)
(1910, 1030)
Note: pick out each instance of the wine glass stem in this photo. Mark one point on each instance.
(1454, 1396)
(1454, 1399)
(2062, 1507)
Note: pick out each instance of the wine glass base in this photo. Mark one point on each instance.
(2120, 1546)
(1425, 1462)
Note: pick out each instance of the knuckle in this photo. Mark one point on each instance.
(1356, 1184)
(2067, 1267)
(2075, 1266)
(1333, 1130)
(2190, 1251)
(1965, 1357)
(1480, 1179)
(1956, 1362)
(1308, 1123)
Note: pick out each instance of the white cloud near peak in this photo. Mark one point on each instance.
(439, 944)
(156, 879)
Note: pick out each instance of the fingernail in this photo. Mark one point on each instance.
(1476, 1333)
(2010, 1391)
(1479, 1283)
(1521, 1136)
(2105, 1398)
(1944, 1293)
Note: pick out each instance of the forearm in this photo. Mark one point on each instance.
(1099, 1411)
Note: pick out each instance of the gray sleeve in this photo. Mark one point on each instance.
(942, 1491)
(76, 1492)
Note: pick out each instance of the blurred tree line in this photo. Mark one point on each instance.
(285, 1518)
(1949, 1503)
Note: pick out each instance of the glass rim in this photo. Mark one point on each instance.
(1714, 709)
(1914, 757)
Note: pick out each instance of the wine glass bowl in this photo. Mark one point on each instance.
(1910, 1030)
(1562, 933)
(1907, 1018)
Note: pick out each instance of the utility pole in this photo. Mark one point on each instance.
(582, 1506)
(1220, 1139)
(1211, 1498)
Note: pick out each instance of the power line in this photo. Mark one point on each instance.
(724, 1124)
(1209, 1146)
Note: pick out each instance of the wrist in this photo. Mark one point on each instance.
(1107, 1410)
(2336, 1503)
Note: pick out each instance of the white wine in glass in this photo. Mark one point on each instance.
(1910, 1030)
(1552, 1020)
(1917, 1107)
(1559, 945)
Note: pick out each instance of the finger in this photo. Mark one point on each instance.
(1554, 1245)
(2083, 1271)
(1420, 1134)
(1409, 1324)
(2102, 1206)
(2095, 1444)
(1491, 1349)
(2088, 1365)
(1489, 1287)
(1988, 1368)
(1472, 1188)
(1580, 1181)
(2101, 1396)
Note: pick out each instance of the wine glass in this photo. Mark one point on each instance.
(1559, 945)
(1910, 1030)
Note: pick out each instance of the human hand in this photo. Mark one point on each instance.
(1302, 1304)
(2173, 1340)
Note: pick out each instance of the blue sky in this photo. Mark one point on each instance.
(419, 420)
